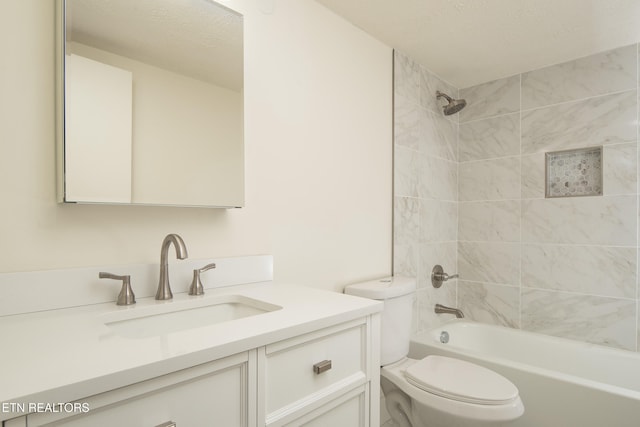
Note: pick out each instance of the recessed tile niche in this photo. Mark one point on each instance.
(574, 173)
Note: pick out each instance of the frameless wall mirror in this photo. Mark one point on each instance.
(150, 103)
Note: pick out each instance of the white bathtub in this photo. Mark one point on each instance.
(563, 383)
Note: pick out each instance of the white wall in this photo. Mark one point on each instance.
(318, 156)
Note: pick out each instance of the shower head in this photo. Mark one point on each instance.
(453, 106)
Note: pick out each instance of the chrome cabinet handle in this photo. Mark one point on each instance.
(167, 424)
(321, 367)
(438, 276)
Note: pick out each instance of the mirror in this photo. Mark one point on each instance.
(150, 103)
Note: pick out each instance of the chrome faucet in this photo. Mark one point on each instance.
(449, 310)
(164, 289)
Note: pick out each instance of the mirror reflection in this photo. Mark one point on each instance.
(153, 102)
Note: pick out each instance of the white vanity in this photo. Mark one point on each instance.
(257, 355)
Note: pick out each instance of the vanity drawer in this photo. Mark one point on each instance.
(348, 410)
(311, 367)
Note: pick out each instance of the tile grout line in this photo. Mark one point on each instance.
(536, 153)
(637, 325)
(618, 92)
(588, 98)
(550, 290)
(419, 296)
(457, 289)
(568, 245)
(521, 213)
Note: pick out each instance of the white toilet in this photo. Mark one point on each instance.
(436, 391)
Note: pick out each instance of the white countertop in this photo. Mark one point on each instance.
(64, 355)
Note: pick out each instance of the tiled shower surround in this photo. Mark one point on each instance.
(471, 196)
(425, 185)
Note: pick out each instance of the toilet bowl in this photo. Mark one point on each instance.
(445, 392)
(435, 391)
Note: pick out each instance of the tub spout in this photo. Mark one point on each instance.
(449, 310)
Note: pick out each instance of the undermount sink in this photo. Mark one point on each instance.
(162, 319)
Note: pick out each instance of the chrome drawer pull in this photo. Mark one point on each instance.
(167, 424)
(321, 367)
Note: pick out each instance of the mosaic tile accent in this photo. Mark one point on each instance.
(574, 173)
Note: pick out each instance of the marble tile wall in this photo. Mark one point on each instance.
(425, 186)
(566, 266)
(470, 195)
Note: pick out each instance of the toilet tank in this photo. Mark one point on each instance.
(398, 294)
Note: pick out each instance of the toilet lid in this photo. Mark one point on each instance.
(459, 380)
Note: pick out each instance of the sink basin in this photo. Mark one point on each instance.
(162, 319)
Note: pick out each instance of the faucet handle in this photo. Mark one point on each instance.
(126, 296)
(196, 287)
(438, 276)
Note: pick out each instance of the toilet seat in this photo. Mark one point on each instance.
(394, 376)
(460, 381)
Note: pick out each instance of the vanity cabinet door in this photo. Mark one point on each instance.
(213, 394)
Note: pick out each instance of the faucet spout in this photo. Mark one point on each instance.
(449, 310)
(164, 289)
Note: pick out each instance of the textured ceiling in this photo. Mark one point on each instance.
(467, 42)
(197, 38)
